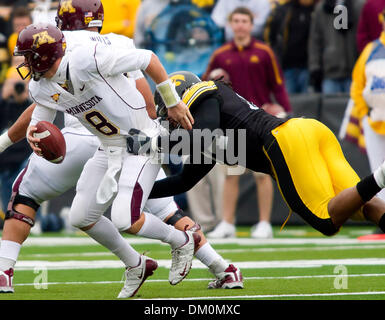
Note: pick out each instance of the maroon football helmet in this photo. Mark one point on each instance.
(41, 45)
(79, 14)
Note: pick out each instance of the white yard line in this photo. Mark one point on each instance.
(99, 264)
(81, 241)
(320, 248)
(265, 296)
(274, 249)
(206, 279)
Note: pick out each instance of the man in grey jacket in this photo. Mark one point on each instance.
(332, 44)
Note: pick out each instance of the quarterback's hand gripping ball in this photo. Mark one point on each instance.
(52, 143)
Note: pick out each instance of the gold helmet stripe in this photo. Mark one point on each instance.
(197, 90)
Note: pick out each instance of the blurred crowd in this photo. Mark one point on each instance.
(268, 49)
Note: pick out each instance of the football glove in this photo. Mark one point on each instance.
(139, 143)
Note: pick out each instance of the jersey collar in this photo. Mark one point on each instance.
(60, 75)
(235, 47)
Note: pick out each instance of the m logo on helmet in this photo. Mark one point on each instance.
(177, 79)
(66, 6)
(42, 38)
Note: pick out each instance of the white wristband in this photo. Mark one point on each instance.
(168, 93)
(5, 141)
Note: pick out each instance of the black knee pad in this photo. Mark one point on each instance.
(11, 213)
(19, 199)
(179, 214)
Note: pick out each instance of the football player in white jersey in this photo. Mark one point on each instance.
(56, 179)
(133, 193)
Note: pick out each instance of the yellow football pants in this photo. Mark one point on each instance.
(310, 169)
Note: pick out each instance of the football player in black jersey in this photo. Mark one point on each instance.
(302, 155)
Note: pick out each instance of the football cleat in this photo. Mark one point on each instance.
(231, 278)
(182, 258)
(135, 276)
(6, 281)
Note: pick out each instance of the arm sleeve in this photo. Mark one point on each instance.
(360, 108)
(41, 113)
(277, 81)
(206, 116)
(136, 75)
(113, 60)
(190, 175)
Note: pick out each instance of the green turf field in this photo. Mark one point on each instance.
(297, 264)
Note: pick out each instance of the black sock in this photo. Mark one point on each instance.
(368, 188)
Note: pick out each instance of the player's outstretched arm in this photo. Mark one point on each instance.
(144, 88)
(18, 130)
(177, 109)
(190, 175)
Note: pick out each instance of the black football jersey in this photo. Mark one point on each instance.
(236, 113)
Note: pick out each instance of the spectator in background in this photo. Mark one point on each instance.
(370, 23)
(207, 5)
(255, 74)
(20, 18)
(368, 95)
(14, 101)
(223, 8)
(147, 11)
(120, 16)
(251, 64)
(287, 32)
(332, 46)
(4, 57)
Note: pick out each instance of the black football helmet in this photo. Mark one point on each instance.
(182, 80)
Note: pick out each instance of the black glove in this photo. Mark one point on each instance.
(138, 142)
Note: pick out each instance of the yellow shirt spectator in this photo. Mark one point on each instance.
(120, 16)
(12, 42)
(360, 93)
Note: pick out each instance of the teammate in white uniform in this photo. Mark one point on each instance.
(56, 179)
(43, 48)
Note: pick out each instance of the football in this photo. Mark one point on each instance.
(275, 110)
(52, 143)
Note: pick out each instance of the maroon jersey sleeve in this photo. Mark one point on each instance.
(276, 80)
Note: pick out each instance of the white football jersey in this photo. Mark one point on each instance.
(76, 38)
(104, 100)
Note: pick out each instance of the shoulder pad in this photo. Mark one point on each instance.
(198, 91)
